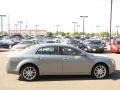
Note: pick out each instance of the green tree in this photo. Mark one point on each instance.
(76, 33)
(92, 34)
(104, 34)
(63, 34)
(3, 33)
(49, 34)
(68, 33)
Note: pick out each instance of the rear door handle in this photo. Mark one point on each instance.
(65, 58)
(38, 58)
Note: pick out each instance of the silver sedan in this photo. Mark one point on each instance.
(57, 59)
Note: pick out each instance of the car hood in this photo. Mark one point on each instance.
(116, 45)
(95, 45)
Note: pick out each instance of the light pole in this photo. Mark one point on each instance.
(26, 26)
(2, 22)
(98, 30)
(8, 25)
(36, 26)
(57, 28)
(20, 22)
(77, 29)
(117, 30)
(83, 24)
(110, 24)
(16, 25)
(74, 27)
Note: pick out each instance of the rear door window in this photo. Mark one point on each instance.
(48, 50)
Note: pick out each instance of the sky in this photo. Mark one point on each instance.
(49, 13)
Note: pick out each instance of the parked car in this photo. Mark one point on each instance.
(93, 45)
(57, 59)
(24, 44)
(116, 46)
(7, 43)
(53, 40)
(73, 42)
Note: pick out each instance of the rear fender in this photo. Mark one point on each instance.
(23, 62)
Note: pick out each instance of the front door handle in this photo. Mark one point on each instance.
(65, 58)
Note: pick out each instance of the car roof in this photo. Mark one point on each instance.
(34, 48)
(52, 44)
(93, 40)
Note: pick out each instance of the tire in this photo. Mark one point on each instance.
(100, 71)
(29, 72)
(101, 51)
(10, 46)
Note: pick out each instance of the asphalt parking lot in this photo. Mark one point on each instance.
(11, 82)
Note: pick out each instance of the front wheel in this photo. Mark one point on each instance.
(29, 73)
(99, 71)
(101, 51)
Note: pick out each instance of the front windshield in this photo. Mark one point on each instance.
(72, 42)
(95, 42)
(117, 42)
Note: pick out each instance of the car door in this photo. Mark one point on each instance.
(73, 62)
(50, 63)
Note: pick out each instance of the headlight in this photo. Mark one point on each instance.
(101, 47)
(113, 61)
(114, 47)
(88, 47)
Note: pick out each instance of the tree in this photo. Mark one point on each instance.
(68, 34)
(104, 34)
(3, 33)
(76, 33)
(63, 34)
(92, 34)
(49, 34)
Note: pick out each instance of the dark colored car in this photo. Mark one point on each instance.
(92, 45)
(73, 42)
(7, 43)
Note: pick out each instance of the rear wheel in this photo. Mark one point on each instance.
(10, 46)
(99, 71)
(29, 73)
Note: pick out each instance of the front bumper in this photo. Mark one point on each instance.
(95, 49)
(112, 68)
(116, 50)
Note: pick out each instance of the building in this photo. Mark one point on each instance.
(28, 32)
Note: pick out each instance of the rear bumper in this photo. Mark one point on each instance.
(11, 69)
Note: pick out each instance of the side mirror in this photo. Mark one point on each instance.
(83, 54)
